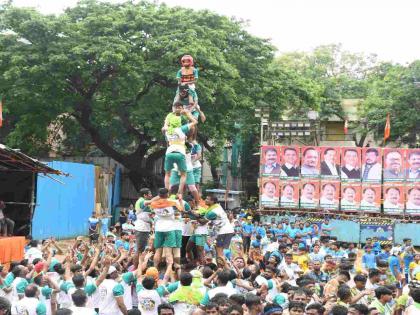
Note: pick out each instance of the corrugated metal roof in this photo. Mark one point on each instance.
(14, 160)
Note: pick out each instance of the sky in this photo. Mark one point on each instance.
(388, 28)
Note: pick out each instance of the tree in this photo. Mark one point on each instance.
(105, 74)
(393, 90)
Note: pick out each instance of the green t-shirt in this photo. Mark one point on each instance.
(186, 294)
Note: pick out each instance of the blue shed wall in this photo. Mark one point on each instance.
(62, 210)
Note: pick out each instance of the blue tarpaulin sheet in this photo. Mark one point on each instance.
(62, 210)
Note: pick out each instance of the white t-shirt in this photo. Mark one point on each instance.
(108, 304)
(33, 253)
(142, 224)
(165, 219)
(82, 311)
(222, 223)
(148, 301)
(28, 306)
(176, 141)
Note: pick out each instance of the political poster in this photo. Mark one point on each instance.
(412, 193)
(290, 162)
(289, 194)
(412, 165)
(371, 165)
(394, 165)
(270, 161)
(330, 162)
(350, 164)
(270, 191)
(371, 198)
(350, 196)
(394, 195)
(310, 162)
(309, 194)
(330, 195)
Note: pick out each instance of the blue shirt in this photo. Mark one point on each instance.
(123, 244)
(408, 258)
(260, 231)
(248, 228)
(325, 226)
(394, 262)
(369, 260)
(292, 232)
(383, 256)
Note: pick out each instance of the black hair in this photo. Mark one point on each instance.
(309, 149)
(207, 272)
(235, 307)
(34, 262)
(148, 283)
(75, 268)
(33, 243)
(338, 310)
(134, 311)
(211, 305)
(382, 291)
(270, 149)
(343, 292)
(316, 306)
(173, 190)
(346, 274)
(165, 306)
(271, 306)
(374, 273)
(163, 193)
(361, 308)
(79, 297)
(372, 150)
(186, 279)
(144, 192)
(415, 294)
(360, 278)
(213, 198)
(329, 149)
(252, 299)
(78, 280)
(223, 277)
(238, 299)
(300, 305)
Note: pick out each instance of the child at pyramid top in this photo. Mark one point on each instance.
(187, 75)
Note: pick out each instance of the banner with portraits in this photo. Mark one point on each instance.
(309, 194)
(270, 161)
(412, 198)
(350, 164)
(290, 157)
(346, 179)
(412, 165)
(371, 165)
(310, 162)
(270, 191)
(329, 195)
(371, 198)
(330, 163)
(350, 196)
(289, 194)
(394, 195)
(394, 166)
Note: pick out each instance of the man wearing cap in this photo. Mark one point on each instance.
(112, 295)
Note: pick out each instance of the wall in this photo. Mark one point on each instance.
(407, 230)
(62, 210)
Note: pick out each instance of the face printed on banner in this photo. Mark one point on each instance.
(290, 156)
(308, 191)
(414, 197)
(349, 194)
(393, 196)
(351, 158)
(369, 195)
(288, 192)
(328, 192)
(269, 189)
(414, 161)
(270, 156)
(393, 161)
(330, 156)
(310, 158)
(371, 157)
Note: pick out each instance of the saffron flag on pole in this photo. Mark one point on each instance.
(346, 126)
(387, 131)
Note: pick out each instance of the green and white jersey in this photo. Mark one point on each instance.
(108, 291)
(18, 288)
(29, 306)
(149, 300)
(128, 279)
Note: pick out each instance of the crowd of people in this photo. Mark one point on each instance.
(177, 253)
(180, 257)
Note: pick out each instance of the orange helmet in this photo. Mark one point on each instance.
(187, 60)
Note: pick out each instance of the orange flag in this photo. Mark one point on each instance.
(1, 113)
(387, 131)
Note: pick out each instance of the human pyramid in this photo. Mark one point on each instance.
(182, 158)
